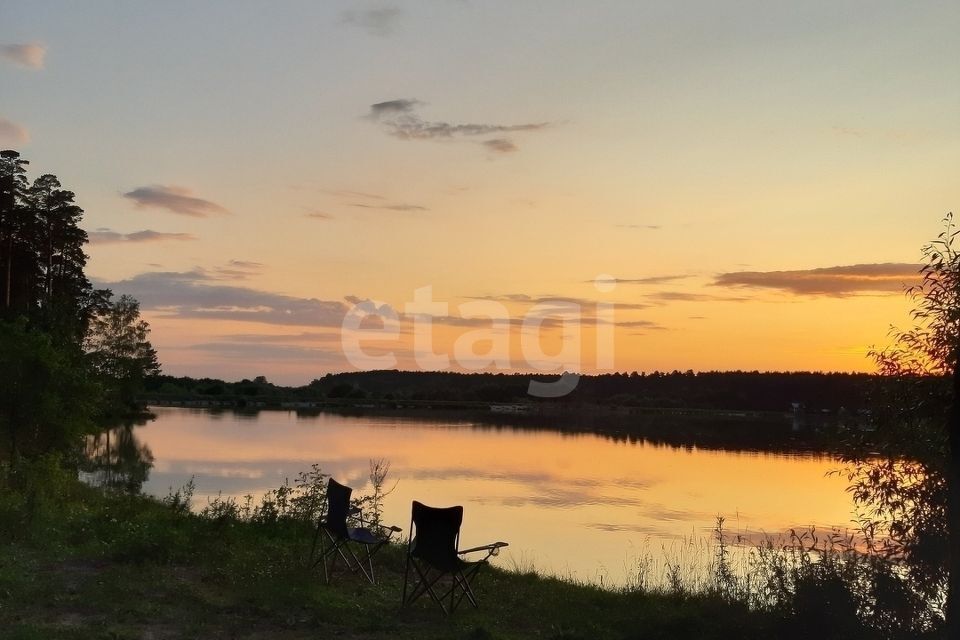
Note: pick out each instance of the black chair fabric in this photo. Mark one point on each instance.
(335, 530)
(433, 554)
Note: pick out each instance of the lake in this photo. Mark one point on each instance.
(577, 505)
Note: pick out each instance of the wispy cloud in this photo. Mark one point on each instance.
(255, 352)
(839, 281)
(29, 56)
(275, 338)
(648, 227)
(236, 270)
(347, 193)
(393, 108)
(367, 201)
(390, 207)
(197, 294)
(378, 21)
(688, 296)
(548, 299)
(174, 199)
(107, 236)
(642, 281)
(400, 119)
(641, 324)
(500, 145)
(12, 134)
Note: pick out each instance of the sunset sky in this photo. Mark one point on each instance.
(753, 180)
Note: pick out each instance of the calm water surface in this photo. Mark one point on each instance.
(575, 505)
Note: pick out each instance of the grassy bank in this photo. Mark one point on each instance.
(82, 563)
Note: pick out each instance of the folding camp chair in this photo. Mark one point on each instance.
(334, 530)
(432, 553)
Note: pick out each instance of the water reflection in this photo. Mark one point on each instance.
(577, 504)
(116, 459)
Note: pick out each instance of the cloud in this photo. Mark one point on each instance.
(196, 294)
(12, 134)
(687, 296)
(236, 270)
(107, 236)
(272, 338)
(640, 281)
(246, 264)
(28, 56)
(400, 120)
(379, 21)
(390, 207)
(319, 215)
(392, 108)
(839, 281)
(347, 193)
(199, 294)
(500, 145)
(173, 199)
(523, 298)
(374, 201)
(254, 352)
(650, 227)
(641, 324)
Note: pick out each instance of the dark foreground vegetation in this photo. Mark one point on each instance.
(84, 562)
(72, 357)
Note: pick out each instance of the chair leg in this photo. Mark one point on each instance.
(406, 573)
(358, 563)
(463, 581)
(332, 553)
(323, 559)
(424, 585)
(460, 583)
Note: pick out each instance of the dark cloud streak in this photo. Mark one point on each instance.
(839, 281)
(174, 199)
(500, 145)
(107, 236)
(400, 120)
(390, 207)
(197, 295)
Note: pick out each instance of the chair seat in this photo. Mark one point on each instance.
(362, 535)
(448, 565)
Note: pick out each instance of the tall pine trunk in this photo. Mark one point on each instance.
(9, 269)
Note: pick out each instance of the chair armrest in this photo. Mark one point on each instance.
(492, 547)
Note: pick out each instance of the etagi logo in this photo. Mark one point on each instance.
(487, 329)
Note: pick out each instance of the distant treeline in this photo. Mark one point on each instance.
(723, 390)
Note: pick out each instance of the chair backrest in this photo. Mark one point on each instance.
(338, 507)
(435, 534)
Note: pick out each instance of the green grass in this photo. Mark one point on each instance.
(79, 563)
(74, 597)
